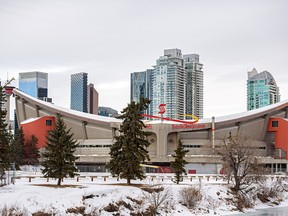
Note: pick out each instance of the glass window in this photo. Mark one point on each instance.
(48, 122)
(274, 123)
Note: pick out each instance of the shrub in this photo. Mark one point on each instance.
(273, 191)
(13, 210)
(138, 202)
(111, 208)
(243, 202)
(190, 196)
(156, 197)
(41, 213)
(77, 210)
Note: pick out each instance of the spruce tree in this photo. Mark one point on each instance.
(179, 162)
(129, 149)
(5, 137)
(17, 149)
(32, 152)
(58, 153)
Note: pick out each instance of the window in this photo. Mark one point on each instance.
(191, 146)
(274, 123)
(48, 122)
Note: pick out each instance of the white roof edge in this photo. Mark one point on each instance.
(30, 120)
(235, 117)
(251, 113)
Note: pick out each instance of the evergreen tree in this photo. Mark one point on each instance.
(32, 152)
(5, 137)
(179, 163)
(58, 154)
(129, 149)
(17, 149)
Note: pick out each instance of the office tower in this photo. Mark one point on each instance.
(140, 85)
(78, 99)
(262, 90)
(92, 99)
(34, 84)
(194, 85)
(175, 81)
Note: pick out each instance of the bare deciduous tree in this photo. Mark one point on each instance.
(240, 162)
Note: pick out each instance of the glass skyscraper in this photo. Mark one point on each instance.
(175, 81)
(78, 99)
(34, 84)
(194, 85)
(140, 85)
(262, 90)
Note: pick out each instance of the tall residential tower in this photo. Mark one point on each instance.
(176, 81)
(262, 90)
(194, 85)
(168, 84)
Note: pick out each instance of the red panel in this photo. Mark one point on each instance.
(39, 129)
(281, 133)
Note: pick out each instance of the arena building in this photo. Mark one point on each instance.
(266, 126)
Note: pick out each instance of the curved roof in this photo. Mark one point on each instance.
(65, 111)
(252, 114)
(228, 119)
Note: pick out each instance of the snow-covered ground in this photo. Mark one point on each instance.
(41, 195)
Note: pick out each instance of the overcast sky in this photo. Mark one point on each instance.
(110, 39)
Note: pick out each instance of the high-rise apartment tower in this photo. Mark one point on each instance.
(262, 90)
(176, 81)
(78, 99)
(194, 85)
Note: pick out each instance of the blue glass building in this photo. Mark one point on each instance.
(79, 94)
(140, 86)
(262, 90)
(34, 83)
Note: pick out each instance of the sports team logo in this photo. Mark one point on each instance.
(161, 108)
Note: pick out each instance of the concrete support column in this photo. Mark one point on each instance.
(239, 128)
(213, 132)
(24, 109)
(264, 130)
(37, 110)
(84, 129)
(17, 108)
(161, 141)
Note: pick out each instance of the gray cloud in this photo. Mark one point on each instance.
(110, 39)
